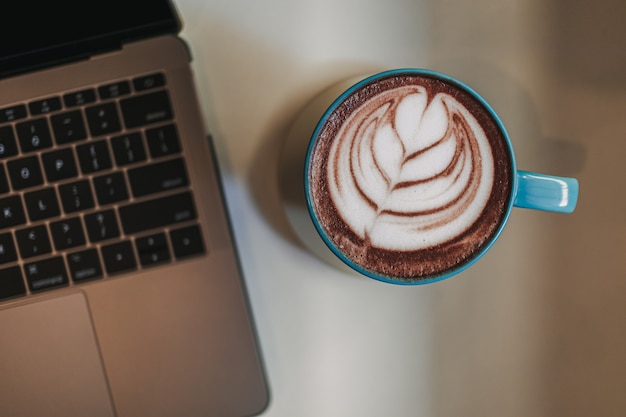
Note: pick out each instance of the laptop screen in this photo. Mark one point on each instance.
(34, 34)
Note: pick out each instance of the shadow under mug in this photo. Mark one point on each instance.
(527, 189)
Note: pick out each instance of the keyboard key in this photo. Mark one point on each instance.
(76, 196)
(94, 157)
(149, 81)
(84, 265)
(59, 165)
(118, 257)
(42, 204)
(187, 242)
(4, 181)
(11, 283)
(68, 127)
(33, 241)
(25, 172)
(67, 233)
(152, 250)
(47, 105)
(46, 274)
(8, 253)
(79, 98)
(128, 149)
(8, 144)
(11, 212)
(163, 141)
(146, 109)
(117, 89)
(158, 177)
(110, 188)
(34, 135)
(103, 119)
(102, 225)
(9, 114)
(157, 213)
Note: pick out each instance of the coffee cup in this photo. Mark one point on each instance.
(407, 176)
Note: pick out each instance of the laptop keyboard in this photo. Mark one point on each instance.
(93, 183)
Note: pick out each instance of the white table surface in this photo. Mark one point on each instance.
(538, 326)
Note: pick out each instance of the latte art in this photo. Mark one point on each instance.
(409, 176)
(407, 171)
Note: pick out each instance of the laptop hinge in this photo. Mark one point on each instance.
(26, 64)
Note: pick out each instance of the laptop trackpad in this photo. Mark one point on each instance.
(49, 361)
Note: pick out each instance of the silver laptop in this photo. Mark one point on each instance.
(120, 293)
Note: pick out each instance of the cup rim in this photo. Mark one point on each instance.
(322, 121)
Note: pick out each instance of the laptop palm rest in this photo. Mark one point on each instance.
(52, 358)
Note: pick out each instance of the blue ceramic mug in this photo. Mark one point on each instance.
(410, 176)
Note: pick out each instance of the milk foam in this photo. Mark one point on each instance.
(407, 171)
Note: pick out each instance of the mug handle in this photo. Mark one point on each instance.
(546, 192)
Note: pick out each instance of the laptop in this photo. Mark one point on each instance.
(120, 290)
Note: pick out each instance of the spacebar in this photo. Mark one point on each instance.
(157, 213)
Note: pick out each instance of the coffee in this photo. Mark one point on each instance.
(409, 176)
